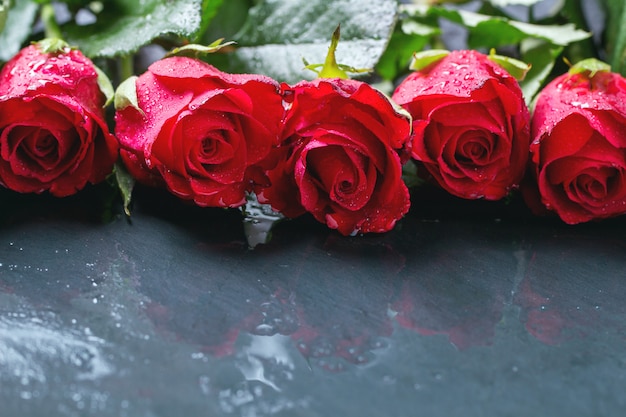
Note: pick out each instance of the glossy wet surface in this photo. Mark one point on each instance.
(464, 309)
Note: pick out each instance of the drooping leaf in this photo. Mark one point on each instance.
(125, 183)
(123, 26)
(279, 34)
(19, 21)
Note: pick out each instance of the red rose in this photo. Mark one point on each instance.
(199, 130)
(339, 158)
(579, 146)
(470, 124)
(53, 133)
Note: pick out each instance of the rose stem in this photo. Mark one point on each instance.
(126, 66)
(51, 28)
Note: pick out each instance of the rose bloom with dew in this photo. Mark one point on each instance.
(53, 132)
(340, 157)
(470, 122)
(198, 131)
(578, 165)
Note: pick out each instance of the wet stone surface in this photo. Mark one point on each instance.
(464, 308)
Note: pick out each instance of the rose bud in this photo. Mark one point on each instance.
(53, 133)
(340, 157)
(197, 130)
(470, 122)
(579, 144)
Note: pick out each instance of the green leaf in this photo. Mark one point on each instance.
(542, 54)
(410, 175)
(279, 34)
(124, 26)
(19, 21)
(4, 10)
(504, 3)
(573, 12)
(209, 11)
(493, 31)
(228, 21)
(125, 183)
(408, 37)
(562, 35)
(616, 34)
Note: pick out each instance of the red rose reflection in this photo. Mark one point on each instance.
(340, 158)
(335, 318)
(460, 294)
(344, 316)
(200, 131)
(53, 133)
(206, 309)
(565, 297)
(579, 147)
(470, 124)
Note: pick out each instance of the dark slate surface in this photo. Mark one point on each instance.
(466, 308)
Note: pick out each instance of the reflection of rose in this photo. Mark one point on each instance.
(565, 296)
(340, 157)
(53, 133)
(344, 315)
(205, 312)
(470, 124)
(458, 293)
(579, 147)
(199, 130)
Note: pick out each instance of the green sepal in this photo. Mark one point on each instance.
(125, 184)
(126, 95)
(194, 50)
(330, 68)
(53, 46)
(590, 66)
(345, 69)
(426, 58)
(105, 86)
(518, 69)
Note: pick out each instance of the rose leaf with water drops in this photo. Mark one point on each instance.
(122, 27)
(279, 34)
